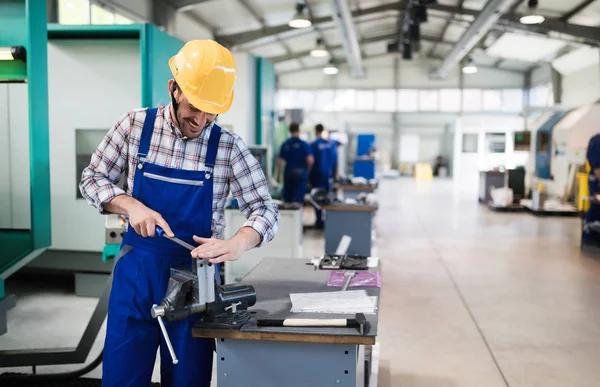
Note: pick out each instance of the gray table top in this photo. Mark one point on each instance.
(274, 279)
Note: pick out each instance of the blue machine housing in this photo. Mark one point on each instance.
(543, 156)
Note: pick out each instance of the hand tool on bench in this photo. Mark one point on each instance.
(195, 290)
(359, 322)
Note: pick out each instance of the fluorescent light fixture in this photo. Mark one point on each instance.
(469, 69)
(532, 19)
(331, 69)
(13, 53)
(532, 16)
(299, 20)
(319, 51)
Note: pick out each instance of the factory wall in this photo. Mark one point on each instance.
(99, 91)
(412, 74)
(241, 117)
(581, 87)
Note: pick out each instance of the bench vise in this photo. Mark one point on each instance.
(196, 291)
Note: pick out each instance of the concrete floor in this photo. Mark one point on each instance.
(469, 297)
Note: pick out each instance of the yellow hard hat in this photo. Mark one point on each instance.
(205, 72)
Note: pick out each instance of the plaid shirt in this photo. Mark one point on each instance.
(235, 169)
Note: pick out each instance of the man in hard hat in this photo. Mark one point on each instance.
(295, 153)
(322, 171)
(179, 168)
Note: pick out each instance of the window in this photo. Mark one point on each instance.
(541, 95)
(512, 100)
(492, 100)
(286, 99)
(385, 100)
(74, 11)
(365, 100)
(324, 100)
(471, 100)
(304, 99)
(408, 100)
(101, 15)
(450, 100)
(469, 142)
(495, 142)
(345, 100)
(120, 19)
(429, 100)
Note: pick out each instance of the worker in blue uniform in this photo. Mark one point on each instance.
(296, 154)
(593, 160)
(322, 171)
(178, 167)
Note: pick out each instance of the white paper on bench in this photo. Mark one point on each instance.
(348, 302)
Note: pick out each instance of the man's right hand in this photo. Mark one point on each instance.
(143, 219)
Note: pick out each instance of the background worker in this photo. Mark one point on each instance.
(298, 159)
(180, 167)
(593, 161)
(322, 171)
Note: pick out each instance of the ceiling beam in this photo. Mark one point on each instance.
(392, 55)
(262, 22)
(373, 39)
(576, 10)
(345, 23)
(186, 5)
(588, 34)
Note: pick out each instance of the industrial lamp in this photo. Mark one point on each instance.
(532, 16)
(13, 53)
(331, 68)
(469, 67)
(319, 51)
(299, 20)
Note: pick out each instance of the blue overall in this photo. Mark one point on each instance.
(295, 179)
(184, 199)
(593, 158)
(322, 170)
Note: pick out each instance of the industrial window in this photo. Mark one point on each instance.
(492, 100)
(365, 100)
(471, 100)
(101, 15)
(469, 142)
(385, 100)
(512, 100)
(345, 100)
(286, 99)
(408, 100)
(541, 95)
(495, 142)
(429, 100)
(450, 100)
(324, 100)
(74, 11)
(304, 99)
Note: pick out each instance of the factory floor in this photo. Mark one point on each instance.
(469, 297)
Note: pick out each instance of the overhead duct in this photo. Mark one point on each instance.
(486, 19)
(343, 19)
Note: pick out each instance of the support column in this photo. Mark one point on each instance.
(396, 120)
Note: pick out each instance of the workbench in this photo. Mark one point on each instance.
(287, 243)
(288, 356)
(351, 191)
(354, 220)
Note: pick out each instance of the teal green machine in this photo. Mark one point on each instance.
(121, 67)
(23, 40)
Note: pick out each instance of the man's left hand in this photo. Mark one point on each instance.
(217, 250)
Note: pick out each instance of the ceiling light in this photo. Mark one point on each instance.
(12, 53)
(532, 16)
(299, 20)
(331, 69)
(469, 67)
(319, 51)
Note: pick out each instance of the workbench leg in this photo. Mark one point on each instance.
(252, 363)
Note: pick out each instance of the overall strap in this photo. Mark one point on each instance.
(147, 131)
(213, 146)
